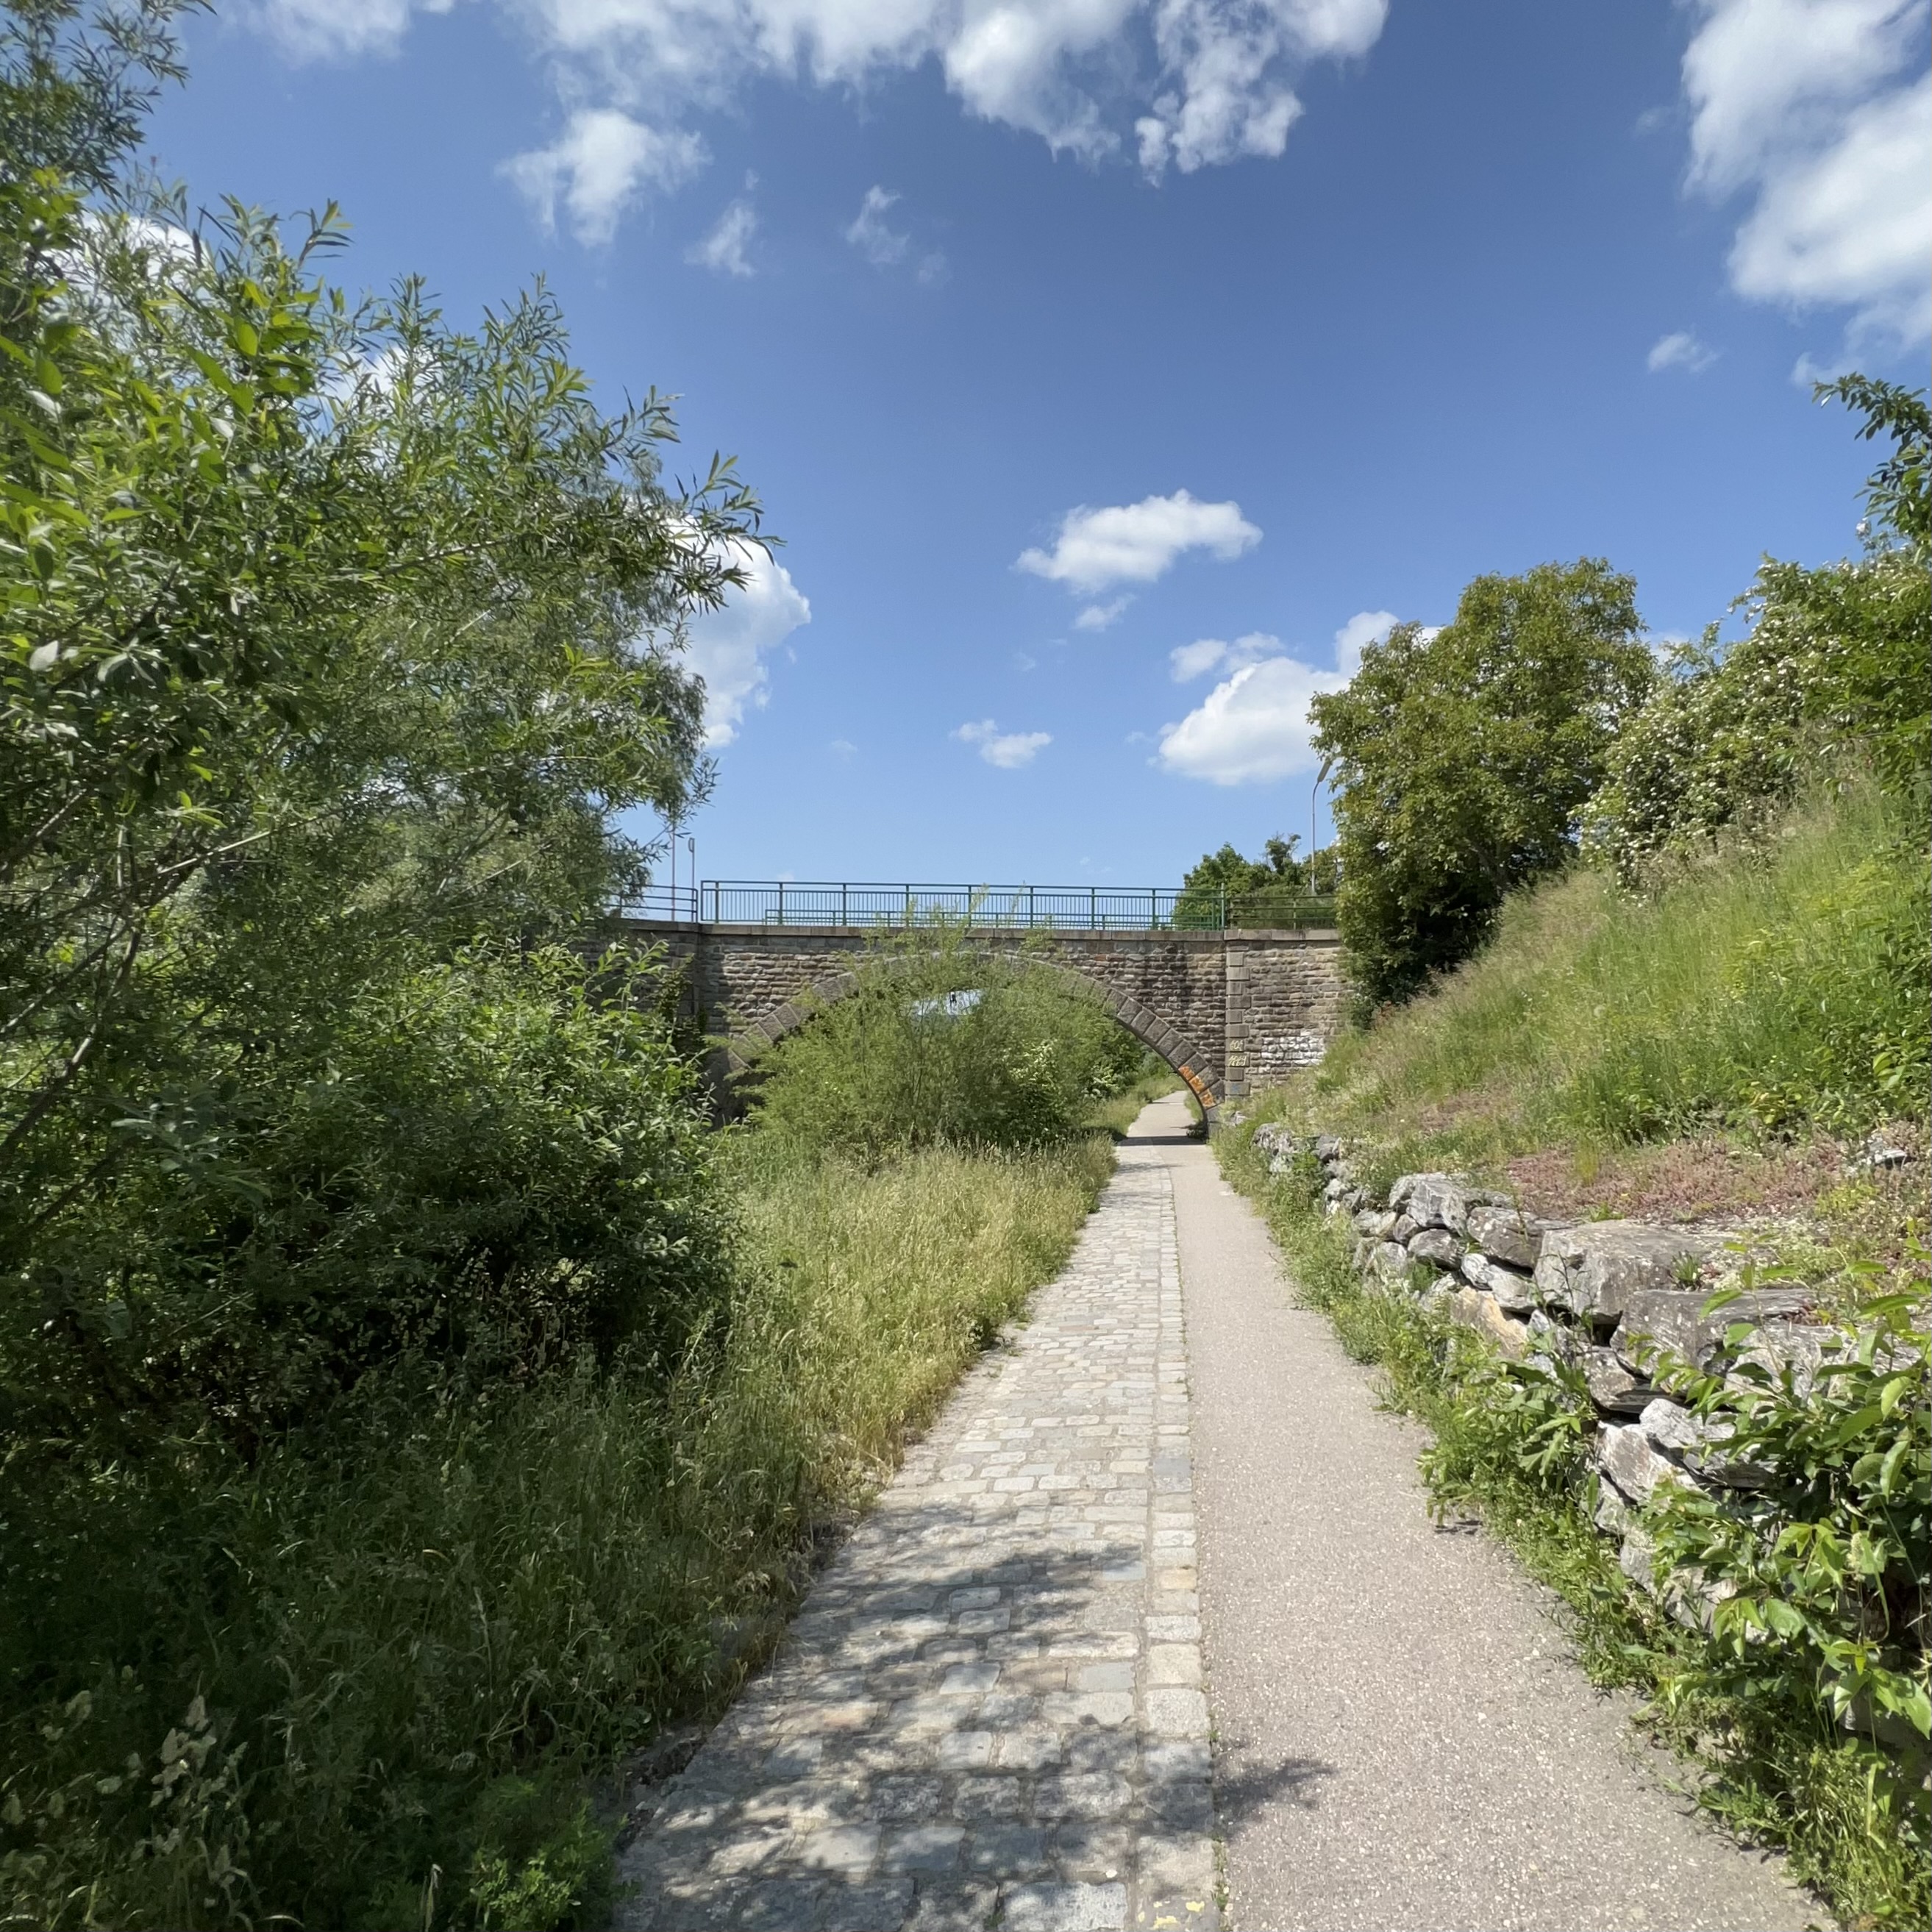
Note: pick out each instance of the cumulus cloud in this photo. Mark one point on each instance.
(1252, 728)
(1681, 350)
(1229, 95)
(724, 249)
(1185, 83)
(1135, 543)
(728, 647)
(1364, 628)
(600, 164)
(1099, 617)
(335, 28)
(1819, 110)
(1187, 662)
(1009, 750)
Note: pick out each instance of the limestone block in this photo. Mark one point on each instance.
(1502, 1231)
(1669, 1425)
(1515, 1293)
(1438, 1201)
(1604, 1263)
(1675, 1319)
(1437, 1245)
(1613, 1387)
(1406, 1184)
(1627, 1456)
(1389, 1261)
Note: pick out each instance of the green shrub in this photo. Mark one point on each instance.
(939, 1043)
(395, 1642)
(1834, 672)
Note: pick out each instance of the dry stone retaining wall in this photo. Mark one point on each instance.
(1228, 1011)
(1606, 1297)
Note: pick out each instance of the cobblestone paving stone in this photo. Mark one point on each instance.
(989, 1709)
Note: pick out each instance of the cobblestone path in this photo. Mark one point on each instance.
(991, 1702)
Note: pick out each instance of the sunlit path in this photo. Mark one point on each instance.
(990, 1702)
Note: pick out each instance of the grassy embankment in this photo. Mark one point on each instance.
(1708, 1052)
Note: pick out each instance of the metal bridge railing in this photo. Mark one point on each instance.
(1061, 908)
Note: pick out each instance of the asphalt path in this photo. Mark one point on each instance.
(1403, 1741)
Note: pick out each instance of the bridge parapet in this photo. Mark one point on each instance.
(1230, 1009)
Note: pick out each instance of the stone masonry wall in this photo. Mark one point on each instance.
(1228, 1010)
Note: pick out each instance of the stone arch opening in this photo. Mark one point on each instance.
(1198, 1073)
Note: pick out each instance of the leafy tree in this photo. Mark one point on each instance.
(938, 1043)
(1250, 891)
(1835, 668)
(336, 641)
(1463, 757)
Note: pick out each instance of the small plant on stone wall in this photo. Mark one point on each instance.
(1820, 1530)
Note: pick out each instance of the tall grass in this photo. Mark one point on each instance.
(1757, 993)
(361, 1682)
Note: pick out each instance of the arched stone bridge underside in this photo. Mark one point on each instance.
(1228, 1011)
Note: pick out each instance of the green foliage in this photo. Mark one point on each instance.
(1778, 988)
(402, 1634)
(1463, 759)
(1834, 673)
(1826, 1553)
(939, 1043)
(1275, 890)
(76, 81)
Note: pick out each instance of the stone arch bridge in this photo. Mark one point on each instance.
(1230, 1009)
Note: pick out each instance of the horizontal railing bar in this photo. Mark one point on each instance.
(884, 902)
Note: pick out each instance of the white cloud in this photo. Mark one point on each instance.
(1099, 617)
(1365, 627)
(1799, 103)
(1187, 661)
(1009, 750)
(723, 248)
(1251, 730)
(1135, 543)
(335, 28)
(1189, 82)
(599, 166)
(1680, 350)
(727, 647)
(872, 236)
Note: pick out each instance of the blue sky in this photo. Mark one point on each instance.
(1066, 340)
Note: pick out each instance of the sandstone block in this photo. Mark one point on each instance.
(1474, 1310)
